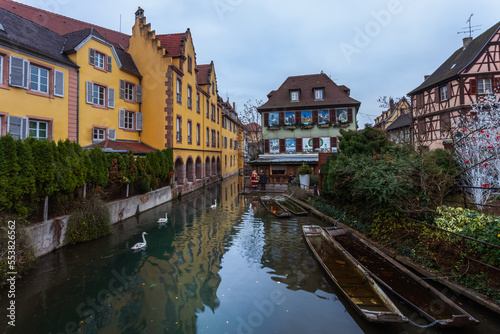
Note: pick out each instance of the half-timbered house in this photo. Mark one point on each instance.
(463, 79)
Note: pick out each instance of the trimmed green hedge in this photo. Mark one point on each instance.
(32, 169)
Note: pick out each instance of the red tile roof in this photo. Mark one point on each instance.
(333, 94)
(173, 43)
(252, 127)
(62, 24)
(123, 146)
(202, 74)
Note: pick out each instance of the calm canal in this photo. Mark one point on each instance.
(232, 269)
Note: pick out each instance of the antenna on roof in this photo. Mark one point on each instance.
(470, 29)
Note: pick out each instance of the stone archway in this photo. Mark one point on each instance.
(219, 165)
(213, 167)
(207, 167)
(190, 170)
(199, 169)
(180, 171)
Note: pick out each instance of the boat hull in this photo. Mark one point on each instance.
(360, 290)
(290, 205)
(398, 280)
(272, 206)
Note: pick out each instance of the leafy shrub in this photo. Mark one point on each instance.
(89, 222)
(476, 225)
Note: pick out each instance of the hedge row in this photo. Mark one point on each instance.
(32, 169)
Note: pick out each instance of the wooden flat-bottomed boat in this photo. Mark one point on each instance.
(272, 206)
(398, 280)
(360, 290)
(290, 205)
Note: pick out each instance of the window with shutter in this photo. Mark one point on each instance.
(333, 116)
(1, 69)
(315, 117)
(315, 144)
(298, 145)
(138, 93)
(282, 146)
(333, 142)
(138, 121)
(98, 134)
(350, 115)
(266, 146)
(58, 83)
(17, 127)
(17, 76)
(266, 119)
(92, 57)
(298, 117)
(121, 118)
(281, 118)
(112, 134)
(473, 86)
(109, 63)
(496, 85)
(111, 97)
(121, 94)
(90, 92)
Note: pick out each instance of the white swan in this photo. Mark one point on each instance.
(213, 206)
(163, 220)
(140, 245)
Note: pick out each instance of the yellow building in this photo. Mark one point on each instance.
(110, 91)
(35, 82)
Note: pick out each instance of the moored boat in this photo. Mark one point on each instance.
(397, 279)
(360, 290)
(290, 205)
(272, 206)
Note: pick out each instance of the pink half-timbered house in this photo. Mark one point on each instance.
(463, 79)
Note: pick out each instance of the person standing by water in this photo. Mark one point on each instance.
(254, 179)
(262, 180)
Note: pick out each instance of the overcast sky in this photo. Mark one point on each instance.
(376, 48)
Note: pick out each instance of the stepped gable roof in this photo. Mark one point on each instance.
(202, 75)
(20, 33)
(173, 43)
(333, 94)
(458, 61)
(122, 147)
(62, 24)
(73, 39)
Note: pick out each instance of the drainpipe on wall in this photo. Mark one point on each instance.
(78, 106)
(140, 110)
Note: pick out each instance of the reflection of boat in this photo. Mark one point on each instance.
(290, 205)
(389, 273)
(273, 207)
(364, 295)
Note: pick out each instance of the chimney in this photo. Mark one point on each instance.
(139, 13)
(234, 107)
(467, 41)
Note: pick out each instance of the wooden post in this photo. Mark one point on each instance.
(46, 209)
(84, 190)
(128, 187)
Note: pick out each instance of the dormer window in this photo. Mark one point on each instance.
(318, 94)
(294, 96)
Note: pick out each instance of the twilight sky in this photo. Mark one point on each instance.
(375, 47)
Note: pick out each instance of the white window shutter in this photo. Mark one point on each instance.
(112, 134)
(16, 72)
(17, 127)
(121, 118)
(109, 63)
(26, 76)
(111, 97)
(138, 94)
(91, 56)
(58, 83)
(121, 94)
(90, 92)
(1, 69)
(138, 121)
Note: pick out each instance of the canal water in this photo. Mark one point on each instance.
(232, 269)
